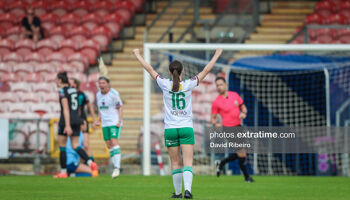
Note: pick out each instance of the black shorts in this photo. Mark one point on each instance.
(75, 128)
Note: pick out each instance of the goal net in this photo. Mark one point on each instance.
(281, 85)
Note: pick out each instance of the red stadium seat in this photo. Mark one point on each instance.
(325, 8)
(10, 77)
(80, 76)
(70, 20)
(102, 35)
(60, 8)
(9, 97)
(315, 18)
(18, 8)
(138, 4)
(79, 33)
(91, 20)
(50, 97)
(3, 7)
(7, 20)
(102, 8)
(18, 108)
(46, 46)
(93, 77)
(42, 87)
(81, 8)
(45, 68)
(24, 46)
(6, 46)
(344, 35)
(66, 67)
(90, 86)
(336, 19)
(34, 58)
(55, 106)
(68, 47)
(58, 33)
(13, 33)
(23, 68)
(91, 49)
(56, 58)
(50, 77)
(114, 22)
(33, 78)
(21, 87)
(126, 10)
(12, 57)
(344, 8)
(30, 98)
(40, 7)
(49, 21)
(5, 68)
(78, 58)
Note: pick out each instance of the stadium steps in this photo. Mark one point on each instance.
(126, 74)
(278, 26)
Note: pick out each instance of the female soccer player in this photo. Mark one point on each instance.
(69, 124)
(178, 131)
(110, 113)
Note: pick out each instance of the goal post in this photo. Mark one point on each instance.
(149, 47)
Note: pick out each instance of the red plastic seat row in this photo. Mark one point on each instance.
(327, 8)
(13, 97)
(114, 21)
(316, 18)
(80, 8)
(56, 57)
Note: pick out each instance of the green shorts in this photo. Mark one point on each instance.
(175, 136)
(111, 132)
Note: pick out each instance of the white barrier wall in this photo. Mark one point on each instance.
(4, 138)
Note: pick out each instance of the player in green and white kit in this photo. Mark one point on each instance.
(110, 113)
(177, 94)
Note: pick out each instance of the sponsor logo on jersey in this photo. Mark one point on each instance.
(180, 87)
(71, 90)
(236, 103)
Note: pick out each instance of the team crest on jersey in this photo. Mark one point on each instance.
(236, 103)
(180, 88)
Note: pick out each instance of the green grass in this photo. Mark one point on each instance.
(156, 187)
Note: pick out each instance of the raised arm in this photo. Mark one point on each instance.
(145, 65)
(210, 65)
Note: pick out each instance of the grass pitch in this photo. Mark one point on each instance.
(156, 187)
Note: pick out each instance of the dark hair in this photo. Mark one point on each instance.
(77, 82)
(63, 76)
(220, 78)
(175, 69)
(103, 78)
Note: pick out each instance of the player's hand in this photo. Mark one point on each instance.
(242, 115)
(118, 125)
(68, 130)
(218, 52)
(136, 51)
(96, 124)
(217, 125)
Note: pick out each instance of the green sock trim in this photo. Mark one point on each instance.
(176, 171)
(91, 158)
(62, 148)
(111, 154)
(189, 169)
(116, 151)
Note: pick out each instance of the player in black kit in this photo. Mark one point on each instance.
(69, 124)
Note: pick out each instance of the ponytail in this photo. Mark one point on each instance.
(175, 68)
(176, 81)
(63, 77)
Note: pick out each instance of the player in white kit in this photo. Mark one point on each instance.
(110, 113)
(177, 94)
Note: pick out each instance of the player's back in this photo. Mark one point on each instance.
(71, 95)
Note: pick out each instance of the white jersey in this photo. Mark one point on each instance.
(177, 105)
(108, 105)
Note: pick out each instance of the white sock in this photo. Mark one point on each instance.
(116, 157)
(188, 176)
(177, 180)
(112, 155)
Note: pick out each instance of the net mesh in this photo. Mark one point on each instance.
(274, 98)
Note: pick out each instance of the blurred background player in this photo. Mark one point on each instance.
(69, 124)
(110, 114)
(229, 105)
(83, 100)
(177, 95)
(74, 167)
(31, 26)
